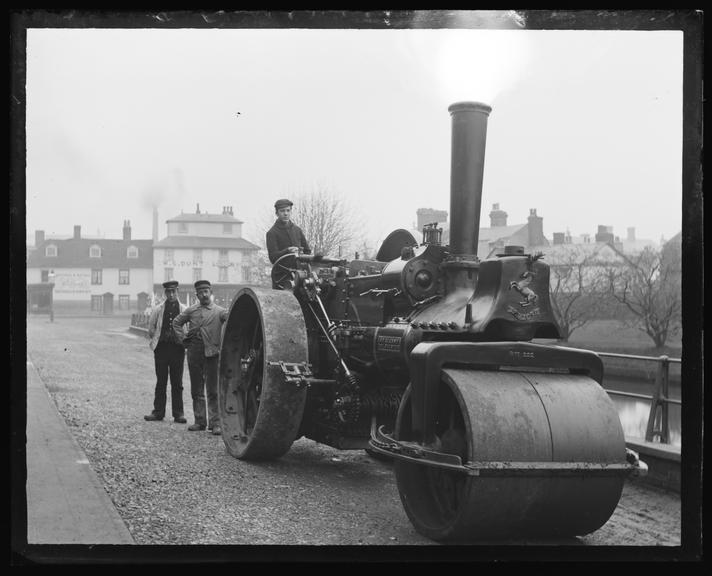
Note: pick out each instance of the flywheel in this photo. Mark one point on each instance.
(539, 445)
(260, 410)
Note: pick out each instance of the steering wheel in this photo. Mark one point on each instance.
(283, 275)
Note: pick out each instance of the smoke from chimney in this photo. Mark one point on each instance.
(155, 223)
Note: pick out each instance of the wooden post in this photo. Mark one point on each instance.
(659, 400)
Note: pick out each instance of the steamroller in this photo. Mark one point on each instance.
(431, 357)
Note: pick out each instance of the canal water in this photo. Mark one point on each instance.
(633, 412)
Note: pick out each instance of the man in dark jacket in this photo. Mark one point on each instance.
(168, 354)
(285, 236)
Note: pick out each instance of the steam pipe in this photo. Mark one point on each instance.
(469, 135)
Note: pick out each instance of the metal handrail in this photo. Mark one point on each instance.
(659, 399)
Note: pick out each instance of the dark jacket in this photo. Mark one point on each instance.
(281, 236)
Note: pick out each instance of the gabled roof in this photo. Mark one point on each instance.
(489, 234)
(496, 232)
(74, 253)
(205, 242)
(598, 252)
(515, 233)
(205, 218)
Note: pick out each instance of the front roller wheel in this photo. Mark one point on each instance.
(514, 417)
(260, 412)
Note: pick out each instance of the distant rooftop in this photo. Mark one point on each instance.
(199, 216)
(205, 242)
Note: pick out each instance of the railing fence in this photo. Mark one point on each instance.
(658, 428)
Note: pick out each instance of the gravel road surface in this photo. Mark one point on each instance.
(172, 486)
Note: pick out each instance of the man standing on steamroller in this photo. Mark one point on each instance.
(285, 236)
(203, 344)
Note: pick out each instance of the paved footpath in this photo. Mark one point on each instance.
(66, 501)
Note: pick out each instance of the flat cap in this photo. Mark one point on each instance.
(202, 284)
(282, 203)
(170, 284)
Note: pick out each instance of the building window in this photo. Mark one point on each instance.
(45, 276)
(167, 274)
(227, 228)
(124, 301)
(222, 274)
(51, 251)
(169, 255)
(132, 252)
(95, 251)
(246, 274)
(96, 276)
(123, 276)
(223, 258)
(197, 274)
(182, 228)
(96, 303)
(197, 254)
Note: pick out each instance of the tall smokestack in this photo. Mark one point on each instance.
(469, 135)
(155, 223)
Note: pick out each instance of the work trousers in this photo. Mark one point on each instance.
(168, 359)
(203, 379)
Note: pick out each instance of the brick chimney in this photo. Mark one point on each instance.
(535, 229)
(497, 217)
(77, 232)
(430, 215)
(127, 230)
(605, 234)
(39, 237)
(631, 234)
(558, 238)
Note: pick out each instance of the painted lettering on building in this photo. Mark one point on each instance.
(199, 264)
(72, 283)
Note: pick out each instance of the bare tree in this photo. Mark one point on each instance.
(650, 288)
(256, 267)
(332, 225)
(327, 220)
(577, 289)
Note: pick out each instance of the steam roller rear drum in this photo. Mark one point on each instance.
(489, 416)
(260, 412)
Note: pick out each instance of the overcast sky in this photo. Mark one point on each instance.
(586, 126)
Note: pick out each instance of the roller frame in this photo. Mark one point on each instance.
(417, 454)
(428, 358)
(427, 361)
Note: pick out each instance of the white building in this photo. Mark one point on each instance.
(89, 275)
(203, 246)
